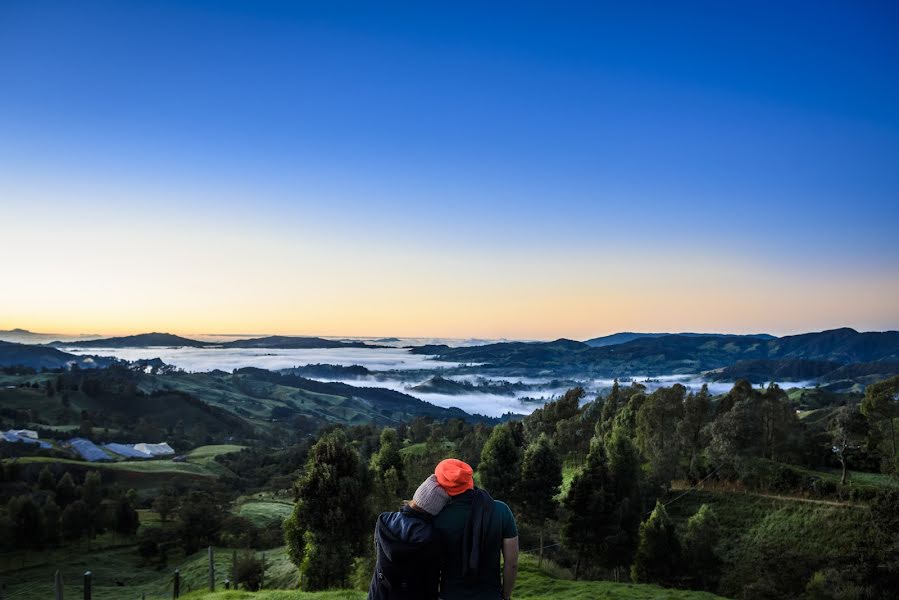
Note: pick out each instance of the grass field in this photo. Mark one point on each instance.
(112, 563)
(263, 511)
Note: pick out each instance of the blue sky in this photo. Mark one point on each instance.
(765, 135)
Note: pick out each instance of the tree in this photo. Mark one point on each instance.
(541, 479)
(45, 480)
(389, 472)
(92, 490)
(881, 407)
(697, 410)
(65, 490)
(658, 553)
(52, 515)
(589, 509)
(200, 519)
(657, 439)
(75, 520)
(249, 571)
(848, 431)
(700, 539)
(331, 520)
(165, 504)
(125, 519)
(545, 419)
(500, 467)
(28, 522)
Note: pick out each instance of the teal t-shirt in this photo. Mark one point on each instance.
(450, 526)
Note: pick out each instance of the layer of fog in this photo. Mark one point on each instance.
(398, 359)
(207, 359)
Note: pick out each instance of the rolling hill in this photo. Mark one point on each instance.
(44, 357)
(674, 354)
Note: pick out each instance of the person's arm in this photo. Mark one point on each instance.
(510, 565)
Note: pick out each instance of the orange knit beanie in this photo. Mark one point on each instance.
(454, 476)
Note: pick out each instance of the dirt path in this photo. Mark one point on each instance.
(680, 486)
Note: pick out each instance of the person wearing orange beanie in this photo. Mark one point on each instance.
(475, 531)
(454, 476)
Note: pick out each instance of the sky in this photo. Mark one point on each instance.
(465, 169)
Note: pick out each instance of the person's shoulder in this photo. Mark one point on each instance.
(500, 506)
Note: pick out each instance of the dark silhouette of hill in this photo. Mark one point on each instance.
(141, 340)
(44, 357)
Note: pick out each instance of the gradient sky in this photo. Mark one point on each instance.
(529, 170)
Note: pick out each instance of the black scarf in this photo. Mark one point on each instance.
(474, 538)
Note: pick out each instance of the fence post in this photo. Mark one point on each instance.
(176, 590)
(211, 570)
(87, 585)
(262, 578)
(57, 587)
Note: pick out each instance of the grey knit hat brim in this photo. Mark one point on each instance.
(430, 497)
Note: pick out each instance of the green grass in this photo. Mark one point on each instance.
(533, 584)
(261, 512)
(112, 562)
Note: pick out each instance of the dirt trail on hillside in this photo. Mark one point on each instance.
(845, 504)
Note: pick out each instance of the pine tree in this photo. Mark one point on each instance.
(541, 478)
(125, 519)
(45, 480)
(589, 509)
(658, 553)
(52, 515)
(28, 522)
(700, 539)
(331, 520)
(500, 467)
(65, 490)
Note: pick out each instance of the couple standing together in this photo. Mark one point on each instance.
(446, 542)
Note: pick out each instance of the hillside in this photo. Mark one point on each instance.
(675, 354)
(142, 340)
(533, 584)
(43, 357)
(628, 336)
(294, 342)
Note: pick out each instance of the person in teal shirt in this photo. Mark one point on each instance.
(463, 534)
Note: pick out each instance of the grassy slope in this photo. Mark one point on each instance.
(150, 474)
(533, 584)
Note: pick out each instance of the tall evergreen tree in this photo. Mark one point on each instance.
(500, 467)
(66, 492)
(52, 516)
(28, 522)
(331, 520)
(45, 480)
(658, 553)
(541, 478)
(700, 539)
(590, 509)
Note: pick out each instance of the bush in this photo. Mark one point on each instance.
(249, 572)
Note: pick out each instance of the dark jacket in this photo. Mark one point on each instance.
(408, 557)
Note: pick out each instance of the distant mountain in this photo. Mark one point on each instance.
(142, 340)
(44, 357)
(764, 370)
(674, 353)
(628, 336)
(285, 342)
(329, 372)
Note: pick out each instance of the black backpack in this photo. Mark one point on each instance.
(408, 557)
